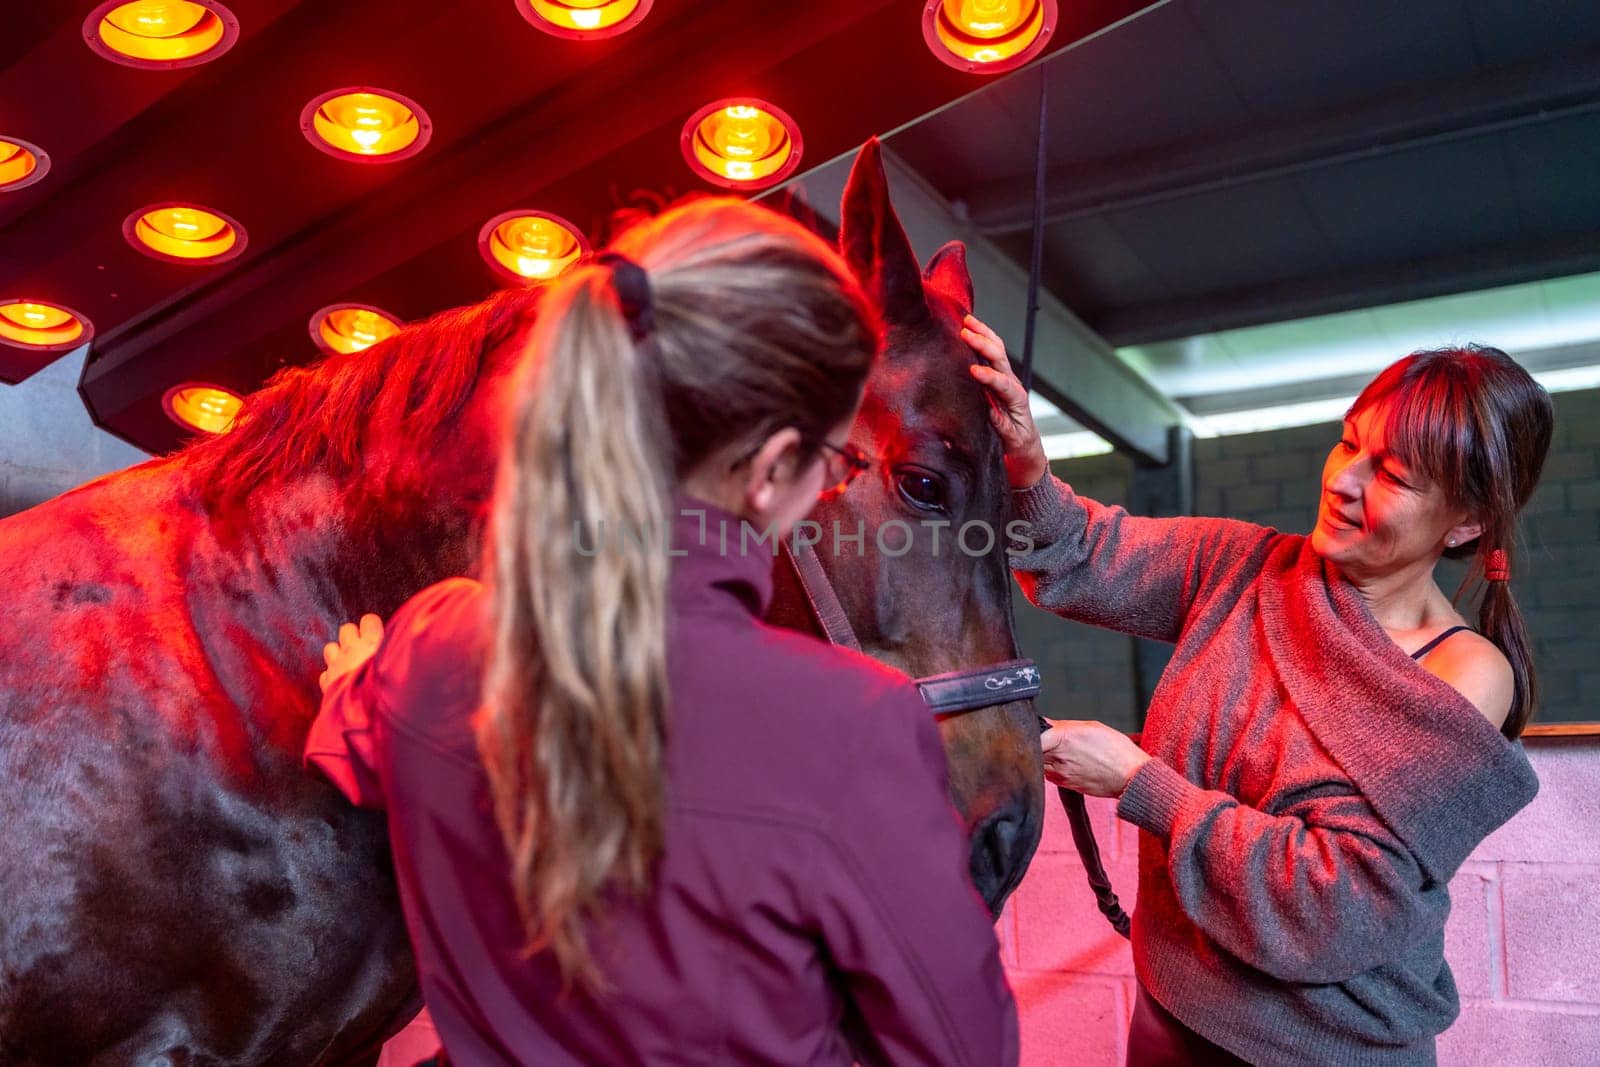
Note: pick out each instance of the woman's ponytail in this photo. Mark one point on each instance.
(738, 324)
(1500, 620)
(573, 727)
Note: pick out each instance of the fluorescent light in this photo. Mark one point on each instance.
(1570, 379)
(1075, 445)
(1281, 417)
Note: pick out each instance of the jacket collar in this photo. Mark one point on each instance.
(718, 558)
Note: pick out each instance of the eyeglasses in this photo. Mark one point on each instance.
(844, 465)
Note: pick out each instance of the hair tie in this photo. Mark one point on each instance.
(1496, 568)
(632, 286)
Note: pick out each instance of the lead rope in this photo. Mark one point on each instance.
(1105, 897)
(830, 615)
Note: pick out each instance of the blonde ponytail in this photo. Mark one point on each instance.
(754, 324)
(574, 723)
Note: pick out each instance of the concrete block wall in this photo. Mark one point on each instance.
(47, 442)
(1273, 478)
(1088, 672)
(1523, 938)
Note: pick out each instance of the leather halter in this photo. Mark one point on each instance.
(951, 693)
(958, 692)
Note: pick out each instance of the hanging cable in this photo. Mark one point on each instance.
(1038, 235)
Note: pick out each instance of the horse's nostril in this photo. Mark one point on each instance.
(1001, 847)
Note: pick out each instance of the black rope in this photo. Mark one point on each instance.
(1038, 235)
(1105, 898)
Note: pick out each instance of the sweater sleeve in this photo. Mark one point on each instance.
(1098, 564)
(1321, 893)
(913, 943)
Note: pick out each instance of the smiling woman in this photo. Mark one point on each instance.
(1330, 740)
(1439, 455)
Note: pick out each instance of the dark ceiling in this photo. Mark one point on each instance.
(520, 120)
(1215, 164)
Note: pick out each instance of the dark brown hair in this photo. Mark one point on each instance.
(758, 325)
(1478, 425)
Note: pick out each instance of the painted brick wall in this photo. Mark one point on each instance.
(1523, 938)
(1273, 478)
(47, 443)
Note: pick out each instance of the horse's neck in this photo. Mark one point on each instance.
(329, 554)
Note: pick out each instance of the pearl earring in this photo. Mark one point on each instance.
(1450, 543)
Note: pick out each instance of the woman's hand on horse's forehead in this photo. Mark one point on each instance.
(1009, 411)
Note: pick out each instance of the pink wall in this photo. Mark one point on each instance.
(1523, 939)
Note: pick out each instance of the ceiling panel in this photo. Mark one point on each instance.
(1407, 206)
(1091, 265)
(1115, 95)
(964, 145)
(1555, 169)
(1287, 57)
(1229, 239)
(1516, 31)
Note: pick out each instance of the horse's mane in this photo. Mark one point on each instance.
(323, 417)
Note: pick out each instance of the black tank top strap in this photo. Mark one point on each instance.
(1437, 641)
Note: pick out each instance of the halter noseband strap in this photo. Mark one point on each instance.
(952, 693)
(959, 692)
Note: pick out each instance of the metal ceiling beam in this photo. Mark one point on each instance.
(1417, 279)
(1073, 367)
(1518, 96)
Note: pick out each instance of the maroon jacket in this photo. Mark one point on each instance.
(812, 904)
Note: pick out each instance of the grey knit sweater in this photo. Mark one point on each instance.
(1313, 790)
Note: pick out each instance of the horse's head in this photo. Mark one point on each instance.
(938, 490)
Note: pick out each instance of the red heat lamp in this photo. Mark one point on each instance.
(584, 20)
(530, 246)
(160, 34)
(365, 125)
(41, 327)
(341, 329)
(742, 143)
(184, 233)
(988, 36)
(21, 164)
(208, 408)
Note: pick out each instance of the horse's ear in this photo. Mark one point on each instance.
(875, 244)
(947, 272)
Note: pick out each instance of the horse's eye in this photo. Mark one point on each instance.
(923, 490)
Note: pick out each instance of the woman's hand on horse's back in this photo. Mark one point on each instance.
(1008, 406)
(355, 646)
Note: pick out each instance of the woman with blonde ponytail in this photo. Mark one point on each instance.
(631, 822)
(1331, 738)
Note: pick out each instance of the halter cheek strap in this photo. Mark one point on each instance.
(960, 692)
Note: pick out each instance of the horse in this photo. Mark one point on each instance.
(930, 602)
(176, 888)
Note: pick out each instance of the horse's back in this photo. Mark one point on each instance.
(176, 888)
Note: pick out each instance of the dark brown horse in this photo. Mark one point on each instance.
(938, 599)
(174, 888)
